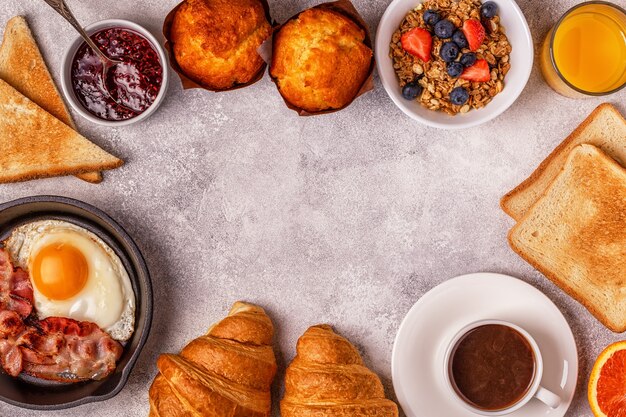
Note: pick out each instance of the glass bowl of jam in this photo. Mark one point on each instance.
(129, 91)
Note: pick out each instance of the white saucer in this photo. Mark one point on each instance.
(425, 332)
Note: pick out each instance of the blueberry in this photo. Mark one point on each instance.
(468, 59)
(449, 51)
(459, 38)
(411, 90)
(455, 69)
(444, 29)
(431, 17)
(489, 9)
(459, 96)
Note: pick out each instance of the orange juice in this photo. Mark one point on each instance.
(586, 51)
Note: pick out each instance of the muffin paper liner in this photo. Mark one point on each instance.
(186, 81)
(346, 8)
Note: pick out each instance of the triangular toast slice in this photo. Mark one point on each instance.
(23, 67)
(576, 234)
(604, 127)
(35, 144)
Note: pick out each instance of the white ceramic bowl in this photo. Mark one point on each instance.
(66, 77)
(521, 57)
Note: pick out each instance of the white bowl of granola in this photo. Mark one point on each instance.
(420, 75)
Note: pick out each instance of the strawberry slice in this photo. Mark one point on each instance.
(479, 72)
(418, 42)
(474, 33)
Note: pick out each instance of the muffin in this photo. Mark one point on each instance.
(215, 41)
(320, 60)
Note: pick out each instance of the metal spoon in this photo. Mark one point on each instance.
(107, 63)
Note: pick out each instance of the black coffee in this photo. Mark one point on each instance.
(492, 367)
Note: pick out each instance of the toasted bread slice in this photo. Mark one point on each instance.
(35, 144)
(23, 66)
(576, 234)
(605, 128)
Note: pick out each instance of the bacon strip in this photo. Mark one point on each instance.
(11, 327)
(66, 349)
(16, 290)
(56, 348)
(21, 285)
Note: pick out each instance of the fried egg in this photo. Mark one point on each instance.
(74, 274)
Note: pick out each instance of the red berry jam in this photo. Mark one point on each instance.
(130, 87)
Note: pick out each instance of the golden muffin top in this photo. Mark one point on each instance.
(215, 41)
(319, 60)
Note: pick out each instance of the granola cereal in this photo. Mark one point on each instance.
(432, 75)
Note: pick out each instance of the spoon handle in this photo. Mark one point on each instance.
(61, 8)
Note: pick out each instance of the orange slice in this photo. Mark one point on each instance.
(607, 384)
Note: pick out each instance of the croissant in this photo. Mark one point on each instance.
(226, 373)
(327, 378)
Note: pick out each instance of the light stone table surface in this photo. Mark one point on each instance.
(347, 218)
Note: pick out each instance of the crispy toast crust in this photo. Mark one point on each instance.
(86, 168)
(22, 66)
(36, 144)
(564, 284)
(504, 201)
(93, 177)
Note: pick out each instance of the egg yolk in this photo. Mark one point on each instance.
(59, 271)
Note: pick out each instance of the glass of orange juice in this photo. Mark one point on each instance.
(584, 54)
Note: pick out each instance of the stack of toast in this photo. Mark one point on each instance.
(37, 135)
(571, 216)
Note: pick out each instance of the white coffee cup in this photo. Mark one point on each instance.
(534, 391)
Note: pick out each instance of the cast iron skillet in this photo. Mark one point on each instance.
(38, 394)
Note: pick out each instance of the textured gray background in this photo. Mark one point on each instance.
(345, 218)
